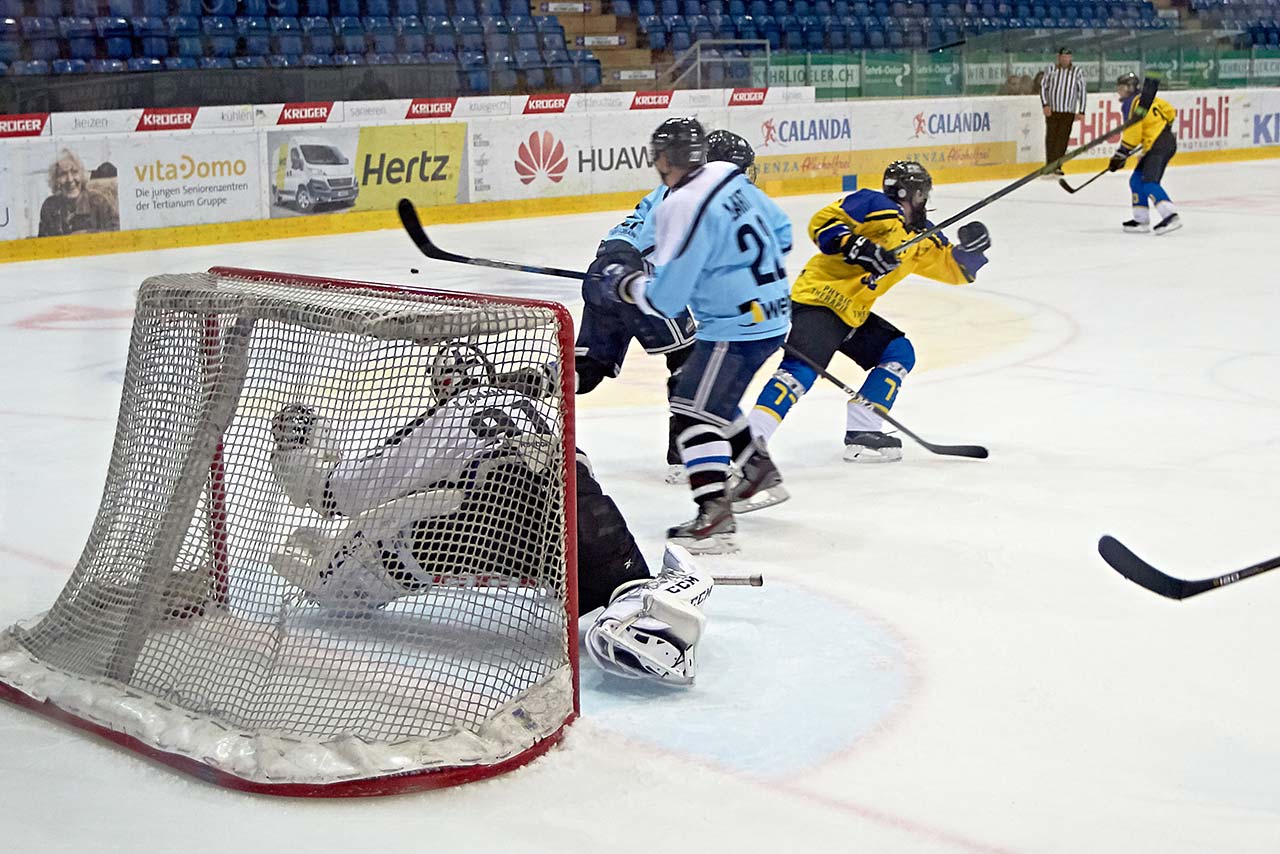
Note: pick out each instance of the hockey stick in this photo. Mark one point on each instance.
(1062, 182)
(1142, 573)
(413, 226)
(409, 217)
(976, 452)
(1149, 87)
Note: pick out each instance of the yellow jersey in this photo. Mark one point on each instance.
(1144, 133)
(829, 281)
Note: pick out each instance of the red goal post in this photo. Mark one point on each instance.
(176, 638)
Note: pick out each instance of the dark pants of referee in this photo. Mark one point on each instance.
(1057, 130)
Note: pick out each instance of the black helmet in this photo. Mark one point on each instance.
(683, 141)
(1127, 81)
(908, 181)
(728, 146)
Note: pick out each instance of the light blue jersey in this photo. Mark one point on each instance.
(637, 228)
(720, 248)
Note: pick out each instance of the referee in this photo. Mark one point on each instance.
(1062, 94)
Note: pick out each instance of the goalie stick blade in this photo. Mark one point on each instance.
(1137, 570)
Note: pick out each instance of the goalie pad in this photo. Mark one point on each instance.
(651, 627)
(351, 568)
(302, 459)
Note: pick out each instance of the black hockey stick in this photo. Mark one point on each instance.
(1149, 87)
(1062, 182)
(976, 452)
(1142, 573)
(413, 226)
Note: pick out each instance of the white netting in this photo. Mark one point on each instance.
(179, 626)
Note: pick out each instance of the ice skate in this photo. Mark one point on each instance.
(1170, 223)
(760, 484)
(871, 447)
(710, 532)
(1132, 226)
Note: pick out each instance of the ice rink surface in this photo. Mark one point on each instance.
(939, 660)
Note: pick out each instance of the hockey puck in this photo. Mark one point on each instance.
(413, 270)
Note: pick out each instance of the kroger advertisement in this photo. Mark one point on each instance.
(93, 172)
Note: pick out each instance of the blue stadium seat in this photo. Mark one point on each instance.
(646, 8)
(413, 38)
(623, 8)
(562, 77)
(42, 9)
(556, 57)
(180, 63)
(526, 41)
(70, 66)
(30, 67)
(468, 59)
(471, 41)
(497, 43)
(152, 35)
(549, 24)
(491, 8)
(435, 7)
(115, 37)
(219, 8)
(443, 42)
(465, 8)
(413, 57)
(280, 60)
(41, 36)
(80, 37)
(250, 62)
(522, 24)
(216, 62)
(377, 8)
(12, 9)
(319, 36)
(441, 57)
(349, 33)
(219, 36)
(317, 60)
(145, 63)
(317, 8)
(107, 66)
(120, 8)
(517, 7)
(253, 8)
(286, 37)
(475, 81)
(185, 31)
(345, 9)
(715, 7)
(550, 41)
(380, 59)
(254, 36)
(382, 35)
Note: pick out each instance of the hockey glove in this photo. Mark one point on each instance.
(974, 237)
(869, 255)
(622, 283)
(1118, 159)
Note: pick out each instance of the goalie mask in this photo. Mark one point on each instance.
(909, 184)
(458, 366)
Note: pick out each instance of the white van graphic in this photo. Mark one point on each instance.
(312, 172)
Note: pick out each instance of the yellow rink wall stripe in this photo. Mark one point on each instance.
(147, 240)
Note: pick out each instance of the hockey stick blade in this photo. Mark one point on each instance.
(976, 452)
(1062, 182)
(1137, 570)
(413, 227)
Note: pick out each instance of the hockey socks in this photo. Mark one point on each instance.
(784, 389)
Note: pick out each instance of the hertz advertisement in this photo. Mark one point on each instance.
(326, 170)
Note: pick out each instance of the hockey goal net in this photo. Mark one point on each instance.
(176, 635)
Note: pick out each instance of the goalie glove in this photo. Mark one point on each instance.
(869, 255)
(651, 628)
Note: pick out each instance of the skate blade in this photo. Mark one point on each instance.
(716, 544)
(855, 454)
(762, 499)
(1136, 230)
(1174, 227)
(677, 474)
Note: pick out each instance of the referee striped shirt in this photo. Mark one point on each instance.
(1063, 90)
